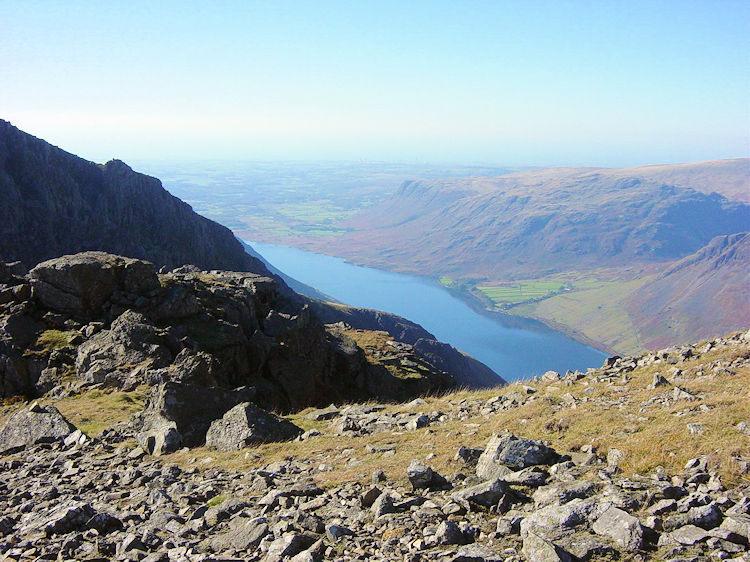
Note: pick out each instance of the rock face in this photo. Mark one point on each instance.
(38, 424)
(81, 283)
(55, 203)
(246, 425)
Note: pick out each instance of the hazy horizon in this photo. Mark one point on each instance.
(472, 83)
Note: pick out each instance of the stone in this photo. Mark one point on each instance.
(554, 521)
(160, 440)
(287, 546)
(738, 524)
(615, 457)
(67, 518)
(383, 505)
(540, 550)
(476, 553)
(336, 532)
(689, 535)
(246, 425)
(369, 497)
(246, 534)
(37, 424)
(533, 476)
(563, 492)
(468, 455)
(189, 407)
(486, 494)
(620, 526)
(449, 533)
(704, 516)
(505, 453)
(422, 476)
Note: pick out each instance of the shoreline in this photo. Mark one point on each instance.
(477, 305)
(472, 301)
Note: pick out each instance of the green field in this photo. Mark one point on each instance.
(447, 282)
(506, 294)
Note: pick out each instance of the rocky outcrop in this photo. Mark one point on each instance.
(55, 203)
(187, 409)
(80, 284)
(100, 319)
(246, 425)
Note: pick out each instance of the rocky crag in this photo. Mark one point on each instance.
(100, 320)
(438, 478)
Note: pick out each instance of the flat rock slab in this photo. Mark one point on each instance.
(38, 424)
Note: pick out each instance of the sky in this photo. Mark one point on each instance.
(517, 83)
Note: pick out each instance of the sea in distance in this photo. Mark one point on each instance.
(514, 348)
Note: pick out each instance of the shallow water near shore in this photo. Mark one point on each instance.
(516, 349)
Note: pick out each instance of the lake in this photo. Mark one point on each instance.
(512, 352)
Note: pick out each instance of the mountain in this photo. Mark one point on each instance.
(255, 332)
(530, 224)
(73, 205)
(701, 295)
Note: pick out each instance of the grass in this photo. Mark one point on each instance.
(504, 294)
(447, 282)
(613, 416)
(216, 500)
(91, 411)
(53, 339)
(94, 411)
(596, 312)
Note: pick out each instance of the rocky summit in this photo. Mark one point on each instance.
(646, 458)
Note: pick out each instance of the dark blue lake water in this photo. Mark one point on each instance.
(511, 351)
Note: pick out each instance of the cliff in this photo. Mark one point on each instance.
(56, 203)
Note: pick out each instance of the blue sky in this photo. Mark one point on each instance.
(508, 83)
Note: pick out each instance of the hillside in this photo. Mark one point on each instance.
(702, 294)
(646, 458)
(571, 247)
(530, 224)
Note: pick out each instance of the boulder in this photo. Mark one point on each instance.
(37, 424)
(188, 408)
(422, 476)
(246, 425)
(540, 550)
(81, 283)
(486, 494)
(555, 521)
(506, 453)
(563, 492)
(160, 440)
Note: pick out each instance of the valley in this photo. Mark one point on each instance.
(571, 247)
